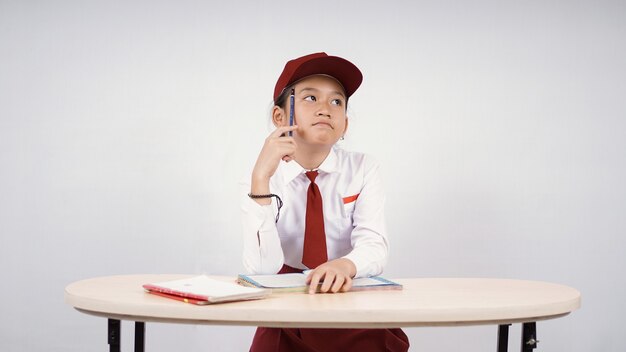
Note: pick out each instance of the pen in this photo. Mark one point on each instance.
(291, 103)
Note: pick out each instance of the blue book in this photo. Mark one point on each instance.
(296, 282)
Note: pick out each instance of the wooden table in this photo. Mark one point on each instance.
(422, 302)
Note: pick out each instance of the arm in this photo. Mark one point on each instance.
(369, 236)
(369, 240)
(262, 252)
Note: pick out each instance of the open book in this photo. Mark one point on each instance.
(203, 290)
(297, 282)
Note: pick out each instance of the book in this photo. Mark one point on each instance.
(296, 282)
(202, 290)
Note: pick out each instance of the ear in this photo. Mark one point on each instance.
(278, 116)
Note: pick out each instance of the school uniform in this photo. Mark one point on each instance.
(354, 223)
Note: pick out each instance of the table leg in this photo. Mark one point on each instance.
(114, 335)
(140, 333)
(529, 337)
(503, 337)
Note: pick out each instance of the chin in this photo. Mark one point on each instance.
(327, 140)
(322, 139)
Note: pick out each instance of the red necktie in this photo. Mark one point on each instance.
(314, 252)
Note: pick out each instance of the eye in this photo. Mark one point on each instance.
(337, 102)
(310, 98)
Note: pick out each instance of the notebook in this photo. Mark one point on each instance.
(296, 282)
(202, 290)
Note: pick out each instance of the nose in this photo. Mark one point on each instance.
(323, 111)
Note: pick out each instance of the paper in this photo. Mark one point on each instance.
(205, 286)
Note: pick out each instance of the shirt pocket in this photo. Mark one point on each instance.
(348, 204)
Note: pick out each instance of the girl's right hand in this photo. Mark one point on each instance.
(275, 149)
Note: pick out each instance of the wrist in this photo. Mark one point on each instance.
(260, 198)
(259, 184)
(260, 180)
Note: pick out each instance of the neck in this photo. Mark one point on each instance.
(311, 159)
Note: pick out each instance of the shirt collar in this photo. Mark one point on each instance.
(292, 169)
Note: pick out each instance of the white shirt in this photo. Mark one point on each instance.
(355, 228)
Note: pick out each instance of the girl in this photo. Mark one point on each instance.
(329, 203)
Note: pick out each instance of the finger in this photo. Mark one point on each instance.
(287, 152)
(339, 282)
(315, 280)
(347, 285)
(285, 145)
(283, 129)
(284, 142)
(329, 278)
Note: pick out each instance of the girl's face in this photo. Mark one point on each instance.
(319, 112)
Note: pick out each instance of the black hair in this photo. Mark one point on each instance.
(281, 101)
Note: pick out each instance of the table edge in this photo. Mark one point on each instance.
(273, 324)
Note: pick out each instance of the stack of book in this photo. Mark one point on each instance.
(202, 290)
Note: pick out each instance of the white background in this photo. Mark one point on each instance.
(125, 126)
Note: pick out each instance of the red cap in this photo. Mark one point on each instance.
(340, 69)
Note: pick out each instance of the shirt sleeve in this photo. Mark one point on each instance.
(262, 251)
(369, 236)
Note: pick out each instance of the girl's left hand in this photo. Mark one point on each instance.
(335, 276)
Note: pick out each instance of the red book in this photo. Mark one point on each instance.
(203, 290)
(179, 298)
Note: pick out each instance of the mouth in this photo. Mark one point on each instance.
(324, 124)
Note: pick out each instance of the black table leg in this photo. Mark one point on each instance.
(503, 337)
(529, 337)
(114, 335)
(140, 333)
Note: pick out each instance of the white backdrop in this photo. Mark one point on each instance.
(125, 126)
